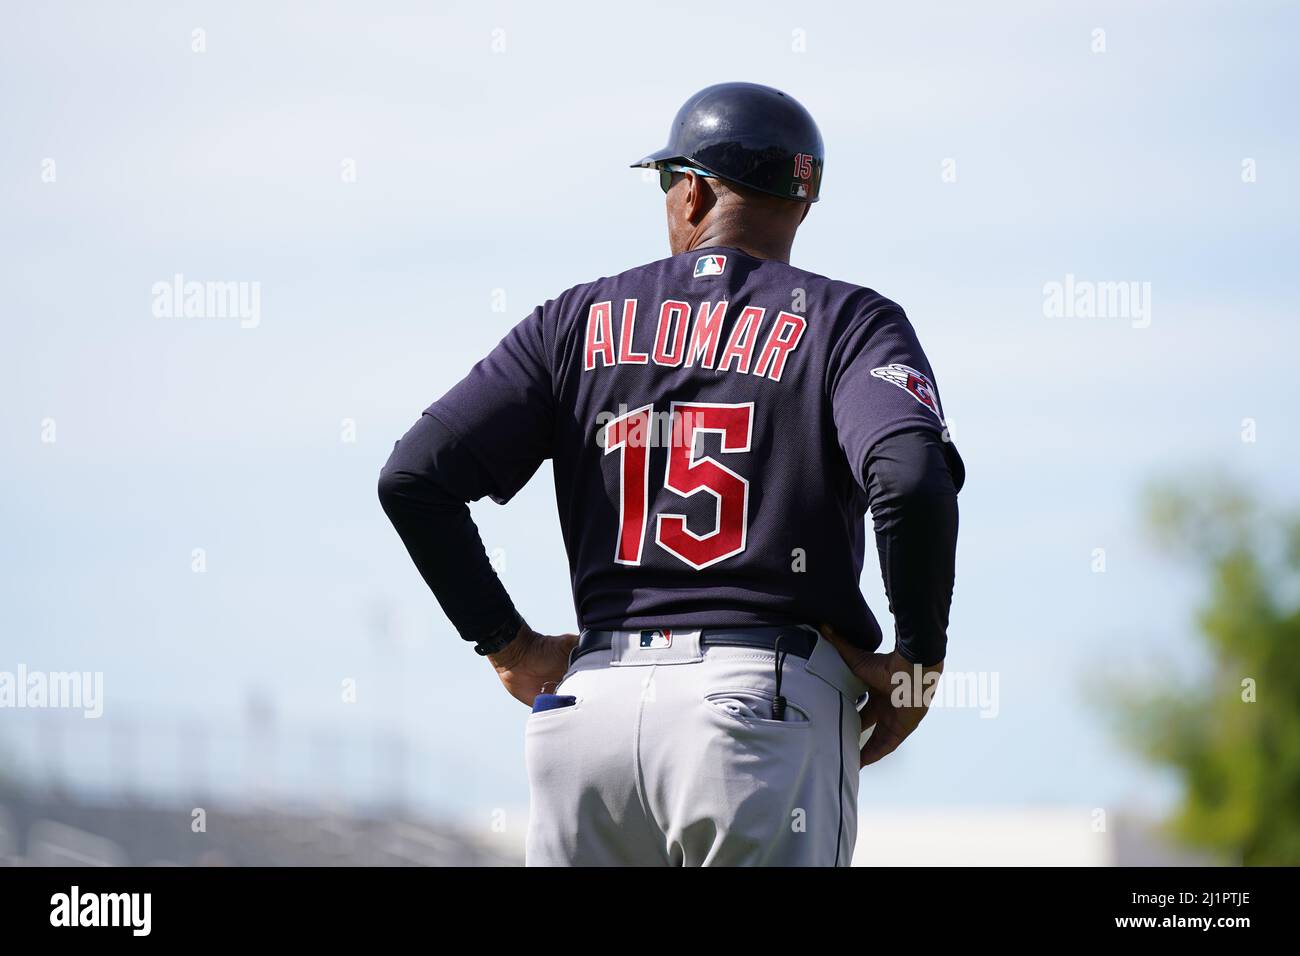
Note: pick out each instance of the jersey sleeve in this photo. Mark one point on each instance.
(880, 383)
(503, 411)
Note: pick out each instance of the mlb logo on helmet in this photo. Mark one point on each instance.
(656, 638)
(710, 266)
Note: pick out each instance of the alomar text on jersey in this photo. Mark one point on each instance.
(679, 341)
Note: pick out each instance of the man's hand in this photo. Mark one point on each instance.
(531, 662)
(893, 721)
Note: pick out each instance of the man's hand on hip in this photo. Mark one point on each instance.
(532, 662)
(887, 676)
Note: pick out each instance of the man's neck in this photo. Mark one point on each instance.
(759, 243)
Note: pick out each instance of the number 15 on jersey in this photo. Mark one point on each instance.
(633, 434)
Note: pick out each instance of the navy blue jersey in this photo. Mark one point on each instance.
(708, 416)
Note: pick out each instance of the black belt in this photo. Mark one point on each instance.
(795, 640)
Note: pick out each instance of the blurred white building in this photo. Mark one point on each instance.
(1066, 836)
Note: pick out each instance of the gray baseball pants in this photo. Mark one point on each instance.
(670, 758)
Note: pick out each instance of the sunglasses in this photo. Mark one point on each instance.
(668, 170)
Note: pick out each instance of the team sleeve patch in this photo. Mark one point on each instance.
(917, 384)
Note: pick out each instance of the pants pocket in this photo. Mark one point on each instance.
(749, 706)
(545, 702)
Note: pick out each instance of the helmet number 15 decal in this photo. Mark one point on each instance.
(687, 474)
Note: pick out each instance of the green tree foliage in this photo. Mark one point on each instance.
(1232, 735)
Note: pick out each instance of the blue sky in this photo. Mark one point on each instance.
(481, 170)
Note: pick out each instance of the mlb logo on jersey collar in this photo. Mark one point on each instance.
(710, 266)
(656, 638)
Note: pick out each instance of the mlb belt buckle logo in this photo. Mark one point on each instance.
(710, 266)
(656, 639)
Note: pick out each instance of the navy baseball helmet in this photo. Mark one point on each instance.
(748, 134)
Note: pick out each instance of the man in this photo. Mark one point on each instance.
(719, 424)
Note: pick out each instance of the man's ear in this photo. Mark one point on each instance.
(698, 197)
(807, 208)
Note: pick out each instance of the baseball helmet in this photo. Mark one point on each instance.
(748, 134)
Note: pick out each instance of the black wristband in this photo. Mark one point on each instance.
(499, 637)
